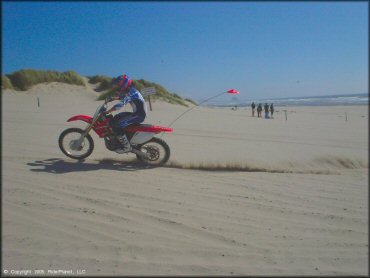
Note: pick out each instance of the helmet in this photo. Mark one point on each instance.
(123, 82)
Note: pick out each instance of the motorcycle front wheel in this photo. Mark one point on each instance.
(71, 146)
(157, 150)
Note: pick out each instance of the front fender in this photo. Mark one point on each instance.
(83, 118)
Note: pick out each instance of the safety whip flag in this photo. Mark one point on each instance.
(231, 91)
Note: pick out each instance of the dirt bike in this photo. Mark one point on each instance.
(78, 144)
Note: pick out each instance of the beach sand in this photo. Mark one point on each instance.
(239, 196)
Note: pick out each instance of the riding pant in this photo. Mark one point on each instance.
(124, 119)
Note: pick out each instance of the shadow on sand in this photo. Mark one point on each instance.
(60, 166)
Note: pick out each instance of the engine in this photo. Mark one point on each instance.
(111, 143)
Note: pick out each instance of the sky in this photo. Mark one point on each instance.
(197, 49)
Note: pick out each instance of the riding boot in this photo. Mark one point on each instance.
(124, 142)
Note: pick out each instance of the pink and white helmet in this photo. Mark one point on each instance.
(123, 82)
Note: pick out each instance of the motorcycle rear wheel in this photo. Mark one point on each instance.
(158, 151)
(68, 140)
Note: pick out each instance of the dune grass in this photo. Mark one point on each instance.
(6, 83)
(191, 101)
(161, 93)
(105, 82)
(140, 84)
(25, 79)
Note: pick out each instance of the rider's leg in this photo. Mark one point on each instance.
(115, 122)
(122, 137)
(118, 132)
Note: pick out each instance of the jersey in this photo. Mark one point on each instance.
(135, 99)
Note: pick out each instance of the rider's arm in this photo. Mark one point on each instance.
(119, 105)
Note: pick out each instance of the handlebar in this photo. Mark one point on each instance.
(103, 109)
(108, 99)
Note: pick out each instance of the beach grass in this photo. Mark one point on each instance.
(191, 101)
(104, 82)
(24, 79)
(161, 92)
(6, 83)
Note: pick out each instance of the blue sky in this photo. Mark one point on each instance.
(197, 49)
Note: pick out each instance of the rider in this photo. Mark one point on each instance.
(126, 93)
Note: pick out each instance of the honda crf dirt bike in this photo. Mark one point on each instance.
(77, 143)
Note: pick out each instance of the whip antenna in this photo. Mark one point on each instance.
(231, 91)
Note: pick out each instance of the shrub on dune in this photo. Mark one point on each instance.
(105, 82)
(6, 83)
(161, 93)
(25, 79)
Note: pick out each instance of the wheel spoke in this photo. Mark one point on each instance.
(157, 152)
(74, 145)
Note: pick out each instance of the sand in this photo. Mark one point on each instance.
(239, 196)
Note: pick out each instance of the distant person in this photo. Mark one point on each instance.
(272, 110)
(253, 107)
(259, 110)
(266, 111)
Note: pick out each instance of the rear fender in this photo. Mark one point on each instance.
(83, 118)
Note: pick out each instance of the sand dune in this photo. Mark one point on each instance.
(239, 196)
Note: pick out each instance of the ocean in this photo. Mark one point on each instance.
(350, 99)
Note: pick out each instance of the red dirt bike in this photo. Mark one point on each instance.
(77, 143)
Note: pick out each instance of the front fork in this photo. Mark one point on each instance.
(78, 142)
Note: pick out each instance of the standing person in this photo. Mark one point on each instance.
(253, 107)
(259, 110)
(272, 110)
(266, 111)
